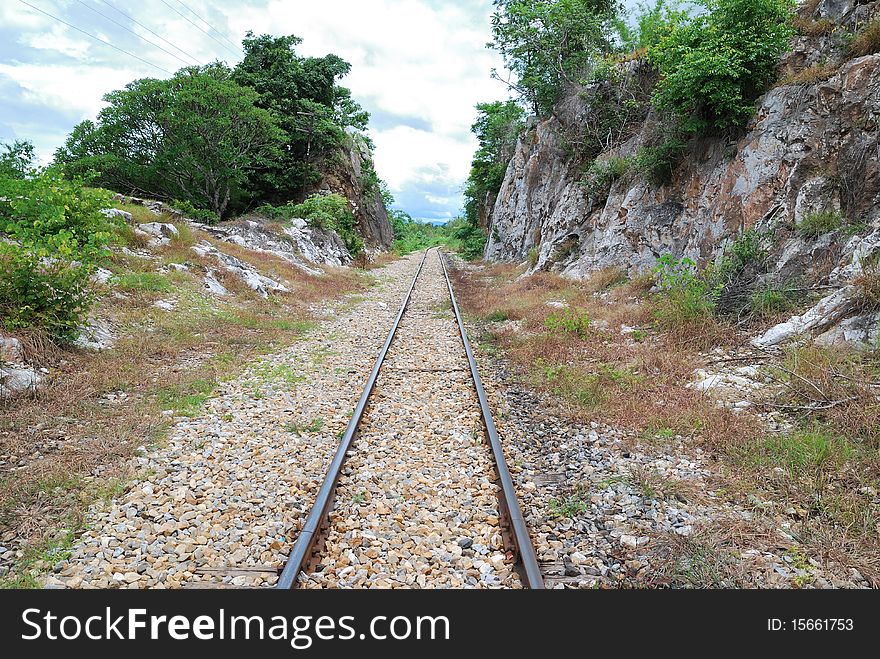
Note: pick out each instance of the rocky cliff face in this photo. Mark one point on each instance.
(347, 174)
(811, 147)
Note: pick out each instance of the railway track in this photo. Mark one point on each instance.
(418, 493)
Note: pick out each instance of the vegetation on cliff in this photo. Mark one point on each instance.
(223, 139)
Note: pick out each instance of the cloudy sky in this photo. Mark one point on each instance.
(419, 67)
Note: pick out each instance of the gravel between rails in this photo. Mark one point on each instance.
(227, 494)
(221, 503)
(417, 505)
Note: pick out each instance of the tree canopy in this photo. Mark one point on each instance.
(219, 138)
(548, 43)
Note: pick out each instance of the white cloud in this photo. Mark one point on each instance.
(69, 88)
(57, 39)
(419, 60)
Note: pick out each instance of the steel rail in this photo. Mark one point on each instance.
(305, 542)
(524, 551)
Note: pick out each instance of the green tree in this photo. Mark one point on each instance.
(714, 67)
(313, 110)
(550, 43)
(497, 128)
(16, 159)
(652, 22)
(197, 137)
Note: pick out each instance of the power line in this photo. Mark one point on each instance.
(187, 19)
(89, 34)
(168, 52)
(158, 36)
(222, 35)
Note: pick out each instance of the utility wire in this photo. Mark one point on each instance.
(168, 52)
(89, 34)
(158, 36)
(187, 19)
(222, 35)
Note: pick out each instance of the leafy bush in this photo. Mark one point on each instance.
(867, 40)
(688, 296)
(199, 214)
(52, 237)
(714, 67)
(569, 321)
(57, 217)
(471, 239)
(602, 174)
(819, 223)
(36, 292)
(652, 23)
(331, 212)
(657, 163)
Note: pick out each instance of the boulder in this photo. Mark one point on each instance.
(244, 271)
(160, 233)
(115, 212)
(17, 381)
(11, 350)
(97, 336)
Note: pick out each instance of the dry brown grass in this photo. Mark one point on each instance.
(811, 28)
(836, 387)
(807, 9)
(612, 379)
(867, 40)
(809, 76)
(819, 471)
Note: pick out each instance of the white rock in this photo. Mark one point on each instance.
(16, 381)
(244, 271)
(115, 212)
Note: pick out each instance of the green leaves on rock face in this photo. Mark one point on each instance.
(714, 67)
(332, 212)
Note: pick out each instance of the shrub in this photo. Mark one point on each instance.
(819, 223)
(657, 163)
(714, 67)
(36, 292)
(331, 212)
(569, 321)
(52, 237)
(867, 40)
(770, 300)
(652, 23)
(57, 217)
(199, 214)
(687, 296)
(471, 240)
(602, 174)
